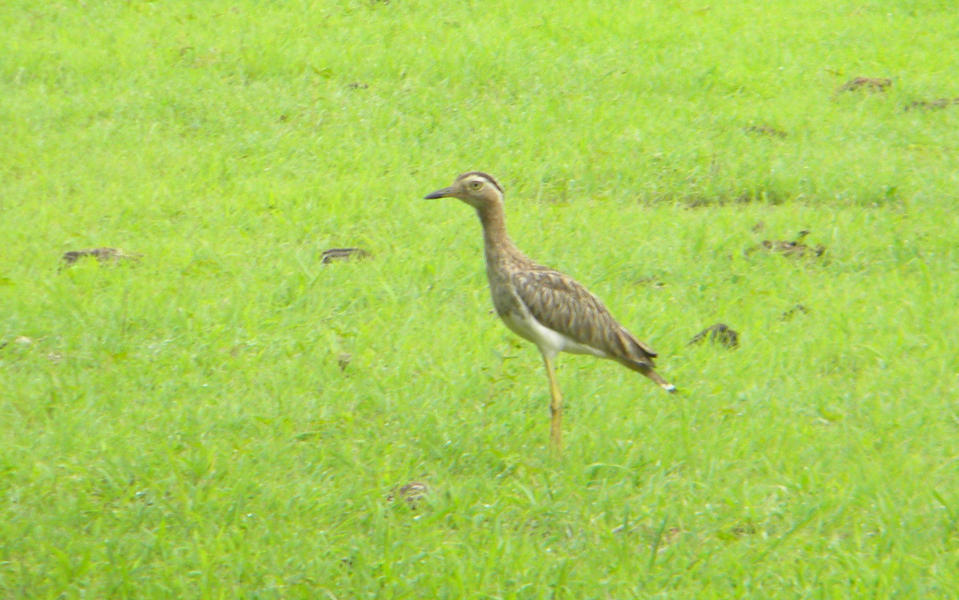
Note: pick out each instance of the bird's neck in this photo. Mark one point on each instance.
(498, 244)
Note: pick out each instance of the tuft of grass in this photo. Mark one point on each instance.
(231, 417)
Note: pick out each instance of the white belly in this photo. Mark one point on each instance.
(550, 342)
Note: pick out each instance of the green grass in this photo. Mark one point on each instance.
(180, 427)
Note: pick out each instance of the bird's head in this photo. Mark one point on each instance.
(477, 189)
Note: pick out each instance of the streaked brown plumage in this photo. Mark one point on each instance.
(542, 305)
(565, 306)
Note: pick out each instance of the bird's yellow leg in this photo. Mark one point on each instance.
(555, 407)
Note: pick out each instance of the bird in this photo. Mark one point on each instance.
(542, 305)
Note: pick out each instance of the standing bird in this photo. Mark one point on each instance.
(545, 306)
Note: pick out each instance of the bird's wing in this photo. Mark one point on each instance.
(567, 307)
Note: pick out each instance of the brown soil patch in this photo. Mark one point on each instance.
(649, 281)
(413, 492)
(939, 104)
(766, 131)
(790, 248)
(345, 254)
(867, 84)
(103, 255)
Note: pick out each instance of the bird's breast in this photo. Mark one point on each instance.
(527, 327)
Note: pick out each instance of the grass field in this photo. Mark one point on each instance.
(229, 417)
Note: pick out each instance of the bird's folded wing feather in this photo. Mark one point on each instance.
(567, 307)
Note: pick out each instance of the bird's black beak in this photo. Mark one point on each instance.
(443, 193)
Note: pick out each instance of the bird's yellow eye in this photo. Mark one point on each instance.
(475, 185)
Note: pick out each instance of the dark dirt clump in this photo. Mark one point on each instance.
(720, 333)
(799, 309)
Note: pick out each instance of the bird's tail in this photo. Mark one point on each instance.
(659, 380)
(647, 370)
